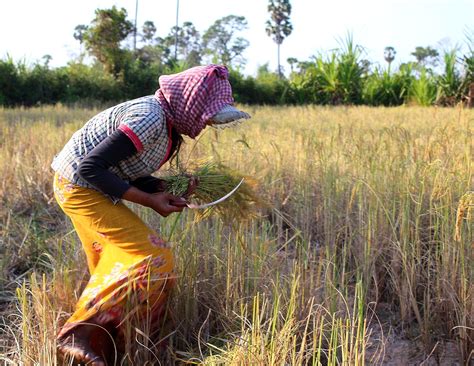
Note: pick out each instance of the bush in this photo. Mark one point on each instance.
(383, 88)
(334, 79)
(423, 89)
(338, 77)
(10, 85)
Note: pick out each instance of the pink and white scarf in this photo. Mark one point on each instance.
(190, 98)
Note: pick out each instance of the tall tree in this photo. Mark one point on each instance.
(79, 32)
(103, 37)
(135, 30)
(188, 47)
(222, 42)
(292, 61)
(426, 56)
(176, 36)
(46, 60)
(157, 53)
(279, 26)
(148, 31)
(155, 50)
(389, 55)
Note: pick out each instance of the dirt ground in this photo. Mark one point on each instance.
(388, 347)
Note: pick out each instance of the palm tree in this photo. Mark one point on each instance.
(148, 31)
(279, 25)
(135, 27)
(176, 34)
(79, 32)
(292, 61)
(389, 55)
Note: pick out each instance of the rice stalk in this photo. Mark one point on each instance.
(215, 180)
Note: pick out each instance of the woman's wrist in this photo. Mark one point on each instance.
(135, 195)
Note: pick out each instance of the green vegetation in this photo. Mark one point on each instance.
(339, 77)
(368, 242)
(215, 181)
(279, 25)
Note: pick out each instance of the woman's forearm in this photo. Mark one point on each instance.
(150, 184)
(136, 195)
(164, 203)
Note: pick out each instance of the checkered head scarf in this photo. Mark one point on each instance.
(190, 98)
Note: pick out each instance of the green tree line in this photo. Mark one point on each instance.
(339, 77)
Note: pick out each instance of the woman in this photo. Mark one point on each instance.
(111, 158)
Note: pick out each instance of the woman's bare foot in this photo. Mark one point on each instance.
(77, 344)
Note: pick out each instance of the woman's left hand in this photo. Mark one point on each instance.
(192, 185)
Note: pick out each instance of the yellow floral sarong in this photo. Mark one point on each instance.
(131, 267)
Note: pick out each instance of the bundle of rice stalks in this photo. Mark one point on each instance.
(215, 181)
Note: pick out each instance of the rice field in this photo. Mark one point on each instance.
(362, 255)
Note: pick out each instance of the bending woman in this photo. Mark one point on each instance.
(111, 158)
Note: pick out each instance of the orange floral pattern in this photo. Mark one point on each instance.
(97, 247)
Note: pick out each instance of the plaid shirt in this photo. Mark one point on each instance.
(142, 120)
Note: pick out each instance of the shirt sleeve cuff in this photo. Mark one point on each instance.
(132, 136)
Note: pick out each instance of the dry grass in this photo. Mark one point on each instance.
(370, 230)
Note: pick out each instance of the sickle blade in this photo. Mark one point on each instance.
(206, 205)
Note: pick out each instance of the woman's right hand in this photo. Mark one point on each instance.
(162, 202)
(166, 203)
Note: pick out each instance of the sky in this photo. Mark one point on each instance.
(30, 29)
